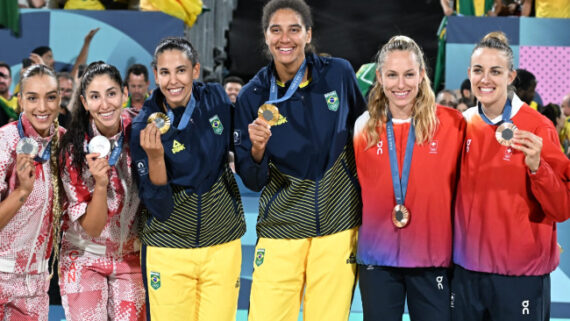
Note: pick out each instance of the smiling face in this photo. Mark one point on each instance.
(104, 100)
(490, 77)
(286, 38)
(400, 76)
(174, 75)
(39, 100)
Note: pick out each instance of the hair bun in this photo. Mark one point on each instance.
(497, 36)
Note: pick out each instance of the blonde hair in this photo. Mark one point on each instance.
(423, 110)
(57, 199)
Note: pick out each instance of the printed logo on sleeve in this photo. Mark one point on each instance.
(142, 169)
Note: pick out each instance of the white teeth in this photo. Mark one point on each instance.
(486, 90)
(42, 117)
(175, 91)
(401, 94)
(107, 114)
(286, 49)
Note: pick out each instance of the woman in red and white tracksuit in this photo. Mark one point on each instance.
(100, 276)
(29, 207)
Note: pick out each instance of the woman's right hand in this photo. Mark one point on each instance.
(259, 134)
(25, 170)
(98, 167)
(151, 143)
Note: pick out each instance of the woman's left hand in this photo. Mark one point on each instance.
(531, 145)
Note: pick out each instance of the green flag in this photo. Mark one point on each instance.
(440, 62)
(10, 16)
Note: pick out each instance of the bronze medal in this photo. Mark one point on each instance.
(27, 146)
(400, 216)
(505, 133)
(161, 121)
(269, 112)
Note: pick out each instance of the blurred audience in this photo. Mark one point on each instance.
(446, 98)
(65, 83)
(232, 85)
(8, 102)
(525, 87)
(137, 84)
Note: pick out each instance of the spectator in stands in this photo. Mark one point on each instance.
(470, 7)
(467, 94)
(137, 84)
(191, 252)
(446, 98)
(547, 8)
(525, 87)
(84, 5)
(232, 86)
(44, 54)
(566, 106)
(462, 105)
(8, 103)
(513, 189)
(65, 83)
(294, 124)
(100, 274)
(415, 214)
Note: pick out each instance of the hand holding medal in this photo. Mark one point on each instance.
(25, 170)
(531, 145)
(161, 121)
(150, 141)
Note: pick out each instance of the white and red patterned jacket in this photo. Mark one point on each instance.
(119, 236)
(26, 242)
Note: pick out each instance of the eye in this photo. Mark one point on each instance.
(52, 97)
(112, 94)
(31, 98)
(495, 72)
(410, 74)
(295, 29)
(163, 72)
(94, 96)
(391, 75)
(181, 70)
(274, 30)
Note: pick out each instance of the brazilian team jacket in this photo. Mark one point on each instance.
(200, 205)
(308, 173)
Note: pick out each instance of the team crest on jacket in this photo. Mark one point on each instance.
(177, 147)
(216, 125)
(155, 280)
(259, 256)
(332, 100)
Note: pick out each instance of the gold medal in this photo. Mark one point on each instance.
(269, 112)
(161, 121)
(400, 216)
(27, 146)
(505, 133)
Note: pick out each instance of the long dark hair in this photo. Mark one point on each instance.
(72, 141)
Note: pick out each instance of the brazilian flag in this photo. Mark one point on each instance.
(10, 16)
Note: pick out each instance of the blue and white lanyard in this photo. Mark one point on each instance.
(400, 186)
(292, 88)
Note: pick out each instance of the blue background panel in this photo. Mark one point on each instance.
(544, 32)
(472, 29)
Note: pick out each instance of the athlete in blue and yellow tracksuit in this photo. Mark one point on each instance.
(310, 205)
(191, 252)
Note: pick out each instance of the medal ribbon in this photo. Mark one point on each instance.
(47, 151)
(187, 113)
(400, 186)
(292, 88)
(506, 117)
(116, 152)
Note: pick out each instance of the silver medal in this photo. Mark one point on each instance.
(101, 145)
(28, 146)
